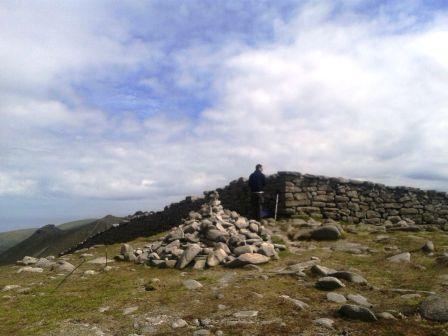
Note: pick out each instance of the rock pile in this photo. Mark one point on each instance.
(208, 238)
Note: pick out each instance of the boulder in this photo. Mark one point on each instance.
(329, 283)
(248, 258)
(357, 313)
(435, 307)
(400, 258)
(188, 255)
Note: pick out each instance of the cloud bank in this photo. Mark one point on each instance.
(118, 108)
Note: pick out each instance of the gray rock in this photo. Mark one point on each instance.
(44, 263)
(241, 223)
(126, 248)
(359, 300)
(63, 266)
(10, 287)
(349, 276)
(428, 247)
(297, 303)
(188, 255)
(329, 283)
(435, 308)
(327, 232)
(267, 249)
(322, 270)
(129, 310)
(201, 332)
(216, 235)
(357, 313)
(404, 257)
(336, 297)
(324, 322)
(248, 258)
(27, 260)
(386, 316)
(246, 314)
(199, 264)
(179, 323)
(192, 284)
(243, 249)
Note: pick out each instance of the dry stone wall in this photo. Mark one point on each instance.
(299, 195)
(359, 201)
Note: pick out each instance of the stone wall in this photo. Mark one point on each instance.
(359, 201)
(299, 194)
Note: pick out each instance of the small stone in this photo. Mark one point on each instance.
(246, 314)
(10, 287)
(410, 296)
(327, 232)
(192, 284)
(201, 332)
(27, 260)
(103, 309)
(322, 270)
(349, 276)
(188, 255)
(400, 258)
(386, 316)
(357, 313)
(126, 248)
(336, 297)
(129, 310)
(428, 247)
(30, 269)
(324, 322)
(359, 300)
(248, 258)
(179, 323)
(329, 283)
(297, 303)
(89, 272)
(435, 308)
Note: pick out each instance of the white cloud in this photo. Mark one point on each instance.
(358, 97)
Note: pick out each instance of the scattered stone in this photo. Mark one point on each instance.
(10, 287)
(297, 303)
(428, 247)
(27, 260)
(129, 310)
(329, 283)
(192, 284)
(30, 269)
(201, 332)
(386, 316)
(44, 263)
(359, 300)
(327, 232)
(349, 276)
(404, 257)
(322, 270)
(357, 313)
(324, 322)
(89, 272)
(179, 323)
(246, 314)
(248, 258)
(410, 296)
(63, 266)
(336, 297)
(103, 309)
(435, 308)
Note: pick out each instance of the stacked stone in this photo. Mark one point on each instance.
(213, 236)
(361, 201)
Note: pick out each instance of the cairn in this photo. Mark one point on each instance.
(213, 236)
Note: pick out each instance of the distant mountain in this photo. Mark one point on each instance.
(52, 240)
(10, 238)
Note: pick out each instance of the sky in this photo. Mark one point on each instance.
(109, 107)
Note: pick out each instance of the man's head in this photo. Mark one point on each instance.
(259, 167)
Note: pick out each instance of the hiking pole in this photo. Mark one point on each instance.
(276, 206)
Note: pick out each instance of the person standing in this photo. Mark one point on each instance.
(257, 182)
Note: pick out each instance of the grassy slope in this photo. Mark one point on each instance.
(78, 299)
(10, 238)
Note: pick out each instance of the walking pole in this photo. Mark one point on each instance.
(276, 206)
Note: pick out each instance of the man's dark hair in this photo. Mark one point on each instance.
(258, 166)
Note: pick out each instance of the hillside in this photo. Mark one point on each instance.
(52, 240)
(10, 238)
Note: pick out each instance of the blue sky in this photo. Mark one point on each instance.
(113, 107)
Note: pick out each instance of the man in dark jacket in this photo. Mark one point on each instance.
(257, 181)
